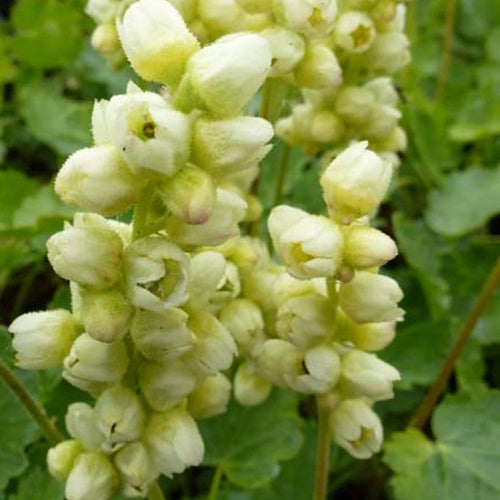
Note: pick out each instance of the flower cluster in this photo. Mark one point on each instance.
(162, 306)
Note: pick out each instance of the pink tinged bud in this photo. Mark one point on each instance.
(173, 441)
(61, 458)
(156, 40)
(156, 272)
(309, 245)
(371, 298)
(97, 179)
(250, 388)
(190, 195)
(42, 339)
(161, 336)
(356, 428)
(89, 253)
(355, 183)
(210, 398)
(93, 476)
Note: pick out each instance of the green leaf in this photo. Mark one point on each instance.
(14, 187)
(249, 443)
(464, 462)
(48, 35)
(470, 368)
(466, 202)
(40, 483)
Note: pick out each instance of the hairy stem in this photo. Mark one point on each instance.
(214, 487)
(449, 28)
(435, 391)
(323, 451)
(48, 428)
(278, 192)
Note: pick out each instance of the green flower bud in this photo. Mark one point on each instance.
(366, 247)
(286, 287)
(221, 16)
(371, 298)
(186, 8)
(389, 53)
(42, 339)
(93, 477)
(61, 457)
(105, 40)
(89, 252)
(356, 428)
(214, 348)
(250, 389)
(227, 146)
(161, 336)
(81, 424)
(258, 286)
(355, 105)
(106, 315)
(119, 416)
(223, 77)
(279, 361)
(210, 398)
(355, 183)
(384, 90)
(223, 224)
(244, 321)
(354, 32)
(255, 6)
(310, 245)
(157, 274)
(319, 68)
(287, 49)
(97, 179)
(156, 40)
(92, 364)
(165, 385)
(190, 195)
(364, 374)
(136, 470)
(383, 121)
(102, 11)
(326, 127)
(173, 441)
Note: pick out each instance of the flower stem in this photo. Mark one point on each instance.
(214, 487)
(451, 7)
(430, 400)
(48, 428)
(278, 192)
(323, 452)
(139, 227)
(155, 492)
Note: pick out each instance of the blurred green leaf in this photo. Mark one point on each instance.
(249, 443)
(40, 483)
(466, 202)
(14, 187)
(470, 368)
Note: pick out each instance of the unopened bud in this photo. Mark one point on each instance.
(42, 339)
(210, 398)
(250, 388)
(81, 425)
(287, 49)
(389, 53)
(255, 6)
(319, 68)
(278, 361)
(355, 105)
(101, 11)
(61, 458)
(221, 16)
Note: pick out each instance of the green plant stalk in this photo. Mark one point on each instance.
(427, 406)
(50, 431)
(214, 487)
(155, 492)
(139, 225)
(323, 450)
(280, 180)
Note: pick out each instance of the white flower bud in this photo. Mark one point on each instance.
(42, 339)
(286, 287)
(356, 428)
(371, 298)
(61, 457)
(313, 18)
(223, 224)
(384, 90)
(355, 105)
(91, 361)
(255, 6)
(221, 16)
(310, 245)
(244, 321)
(173, 441)
(394, 142)
(190, 195)
(389, 53)
(97, 179)
(106, 314)
(326, 126)
(186, 8)
(383, 121)
(355, 183)
(81, 424)
(93, 477)
(210, 398)
(258, 286)
(223, 77)
(354, 32)
(136, 470)
(366, 375)
(279, 361)
(156, 40)
(165, 385)
(250, 389)
(287, 49)
(157, 274)
(367, 247)
(119, 416)
(226, 146)
(306, 319)
(152, 137)
(105, 40)
(319, 68)
(89, 252)
(102, 11)
(214, 348)
(161, 336)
